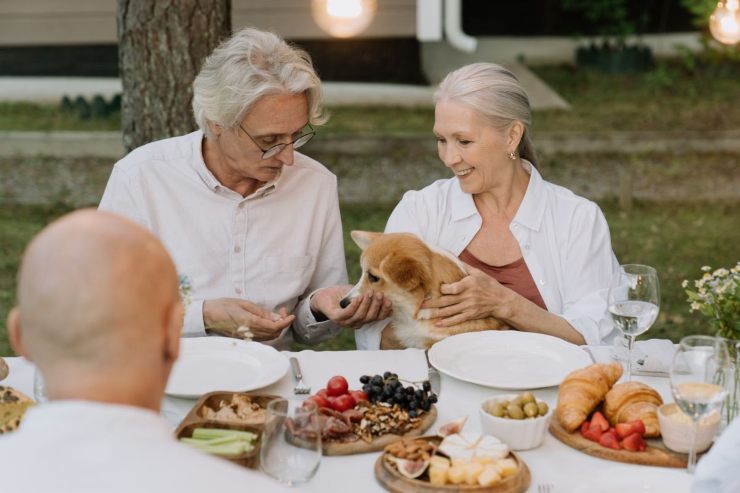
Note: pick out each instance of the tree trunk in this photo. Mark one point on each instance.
(161, 46)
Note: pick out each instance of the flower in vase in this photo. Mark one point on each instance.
(717, 295)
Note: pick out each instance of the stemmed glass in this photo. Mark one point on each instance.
(634, 303)
(291, 441)
(698, 369)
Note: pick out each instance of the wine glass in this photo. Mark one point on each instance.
(291, 441)
(698, 369)
(634, 303)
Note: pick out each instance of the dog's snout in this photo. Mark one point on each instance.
(344, 303)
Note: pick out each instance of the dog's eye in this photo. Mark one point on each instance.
(372, 278)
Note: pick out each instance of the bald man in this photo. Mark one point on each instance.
(99, 313)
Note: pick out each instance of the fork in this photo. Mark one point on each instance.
(545, 488)
(300, 387)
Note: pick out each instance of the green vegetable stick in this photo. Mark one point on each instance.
(206, 433)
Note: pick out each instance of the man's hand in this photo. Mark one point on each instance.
(224, 316)
(475, 296)
(363, 309)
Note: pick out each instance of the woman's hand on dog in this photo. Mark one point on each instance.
(363, 309)
(475, 296)
(225, 316)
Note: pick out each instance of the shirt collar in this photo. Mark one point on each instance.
(532, 208)
(530, 211)
(210, 179)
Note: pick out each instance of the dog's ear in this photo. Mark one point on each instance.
(406, 271)
(364, 238)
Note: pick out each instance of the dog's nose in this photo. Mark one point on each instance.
(345, 302)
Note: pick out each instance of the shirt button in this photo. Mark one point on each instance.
(237, 249)
(238, 290)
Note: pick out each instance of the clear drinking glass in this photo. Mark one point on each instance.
(39, 387)
(698, 369)
(634, 303)
(291, 441)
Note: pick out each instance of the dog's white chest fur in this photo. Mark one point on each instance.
(409, 331)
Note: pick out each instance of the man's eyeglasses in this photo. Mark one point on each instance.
(278, 148)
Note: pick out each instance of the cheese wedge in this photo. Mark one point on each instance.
(469, 445)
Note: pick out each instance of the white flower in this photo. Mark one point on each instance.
(685, 283)
(720, 272)
(695, 306)
(706, 268)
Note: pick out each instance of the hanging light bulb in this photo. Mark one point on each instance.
(724, 23)
(343, 18)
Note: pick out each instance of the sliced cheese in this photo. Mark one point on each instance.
(469, 445)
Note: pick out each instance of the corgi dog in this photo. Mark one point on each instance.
(408, 271)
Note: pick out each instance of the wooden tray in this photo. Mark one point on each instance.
(394, 482)
(656, 453)
(212, 399)
(248, 459)
(363, 447)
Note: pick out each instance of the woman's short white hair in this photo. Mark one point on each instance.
(495, 93)
(249, 65)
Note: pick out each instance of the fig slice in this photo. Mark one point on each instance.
(452, 427)
(411, 469)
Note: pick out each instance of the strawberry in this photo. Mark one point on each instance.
(626, 429)
(634, 443)
(584, 427)
(598, 420)
(593, 433)
(610, 440)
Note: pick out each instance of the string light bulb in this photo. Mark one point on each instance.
(724, 23)
(343, 18)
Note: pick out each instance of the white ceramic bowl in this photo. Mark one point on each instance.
(675, 428)
(518, 434)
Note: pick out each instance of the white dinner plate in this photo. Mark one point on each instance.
(507, 359)
(207, 364)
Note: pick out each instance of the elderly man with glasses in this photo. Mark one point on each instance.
(252, 225)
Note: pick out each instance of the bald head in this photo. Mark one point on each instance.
(94, 292)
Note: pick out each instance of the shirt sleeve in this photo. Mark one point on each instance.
(591, 265)
(331, 270)
(123, 197)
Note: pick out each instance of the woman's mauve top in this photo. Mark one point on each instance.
(515, 276)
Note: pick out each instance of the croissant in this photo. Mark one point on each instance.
(631, 401)
(582, 390)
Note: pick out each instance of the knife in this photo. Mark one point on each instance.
(433, 375)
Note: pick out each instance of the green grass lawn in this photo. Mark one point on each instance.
(676, 238)
(664, 99)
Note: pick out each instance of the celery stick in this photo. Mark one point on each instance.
(206, 433)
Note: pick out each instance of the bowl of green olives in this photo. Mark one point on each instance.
(519, 420)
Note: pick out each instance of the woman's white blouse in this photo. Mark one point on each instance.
(564, 240)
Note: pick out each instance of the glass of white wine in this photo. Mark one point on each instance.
(697, 371)
(634, 303)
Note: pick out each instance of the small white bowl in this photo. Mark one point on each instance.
(675, 428)
(518, 434)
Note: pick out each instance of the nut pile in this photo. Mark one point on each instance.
(414, 450)
(382, 418)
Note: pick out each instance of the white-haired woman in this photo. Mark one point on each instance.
(540, 257)
(253, 225)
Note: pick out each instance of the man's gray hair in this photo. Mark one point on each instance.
(249, 65)
(495, 93)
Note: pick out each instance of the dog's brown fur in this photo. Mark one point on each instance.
(408, 272)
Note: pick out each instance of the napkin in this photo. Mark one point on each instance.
(652, 355)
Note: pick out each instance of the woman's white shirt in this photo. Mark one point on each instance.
(564, 240)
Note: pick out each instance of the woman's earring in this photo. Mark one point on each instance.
(512, 156)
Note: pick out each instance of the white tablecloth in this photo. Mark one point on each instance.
(552, 462)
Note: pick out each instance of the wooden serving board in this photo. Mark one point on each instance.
(363, 447)
(389, 477)
(212, 400)
(656, 453)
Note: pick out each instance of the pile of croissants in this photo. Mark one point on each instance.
(582, 391)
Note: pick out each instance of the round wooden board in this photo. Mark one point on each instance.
(392, 480)
(363, 447)
(656, 453)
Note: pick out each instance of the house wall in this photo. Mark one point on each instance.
(75, 22)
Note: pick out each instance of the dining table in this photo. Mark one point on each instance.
(552, 463)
